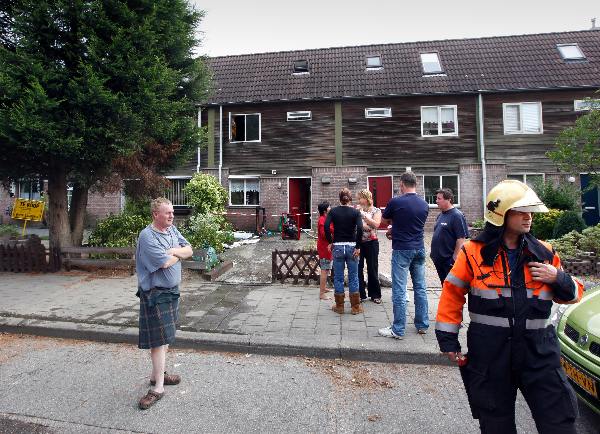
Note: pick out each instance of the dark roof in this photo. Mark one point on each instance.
(489, 64)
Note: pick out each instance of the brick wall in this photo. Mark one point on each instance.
(102, 205)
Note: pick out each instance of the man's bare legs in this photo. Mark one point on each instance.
(158, 356)
(323, 285)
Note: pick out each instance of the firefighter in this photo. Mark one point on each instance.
(511, 279)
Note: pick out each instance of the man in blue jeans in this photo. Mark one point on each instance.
(407, 214)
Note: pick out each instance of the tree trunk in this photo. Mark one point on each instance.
(60, 232)
(79, 201)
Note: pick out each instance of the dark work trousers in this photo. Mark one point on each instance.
(369, 253)
(500, 362)
(443, 267)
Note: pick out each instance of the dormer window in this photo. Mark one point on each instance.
(431, 63)
(374, 62)
(301, 67)
(570, 52)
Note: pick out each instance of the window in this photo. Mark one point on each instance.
(431, 63)
(570, 52)
(301, 67)
(432, 183)
(378, 112)
(523, 118)
(31, 189)
(586, 104)
(439, 121)
(374, 62)
(531, 179)
(244, 191)
(299, 116)
(244, 127)
(175, 192)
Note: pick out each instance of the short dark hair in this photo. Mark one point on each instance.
(323, 207)
(409, 179)
(446, 193)
(345, 196)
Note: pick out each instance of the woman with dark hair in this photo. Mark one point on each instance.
(347, 222)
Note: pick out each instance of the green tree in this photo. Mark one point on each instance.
(92, 91)
(577, 148)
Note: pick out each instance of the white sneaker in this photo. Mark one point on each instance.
(387, 332)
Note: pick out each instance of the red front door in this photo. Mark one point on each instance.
(381, 188)
(299, 201)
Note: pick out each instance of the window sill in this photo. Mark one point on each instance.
(242, 206)
(440, 135)
(246, 141)
(523, 134)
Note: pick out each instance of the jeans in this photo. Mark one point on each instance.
(369, 253)
(403, 262)
(343, 255)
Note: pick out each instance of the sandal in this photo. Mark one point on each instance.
(377, 300)
(150, 399)
(170, 380)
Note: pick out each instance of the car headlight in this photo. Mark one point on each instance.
(558, 310)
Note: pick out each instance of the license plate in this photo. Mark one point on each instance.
(586, 382)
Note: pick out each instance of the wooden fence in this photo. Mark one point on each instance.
(299, 265)
(29, 255)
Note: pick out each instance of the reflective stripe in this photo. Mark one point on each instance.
(506, 292)
(529, 292)
(447, 327)
(489, 320)
(484, 293)
(546, 295)
(456, 281)
(533, 324)
(575, 289)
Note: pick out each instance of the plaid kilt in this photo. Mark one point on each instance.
(158, 322)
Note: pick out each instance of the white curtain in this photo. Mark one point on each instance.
(512, 118)
(531, 117)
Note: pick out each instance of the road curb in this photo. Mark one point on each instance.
(322, 347)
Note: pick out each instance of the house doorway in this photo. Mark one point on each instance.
(299, 200)
(382, 190)
(590, 201)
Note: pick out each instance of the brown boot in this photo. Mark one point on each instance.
(355, 303)
(338, 307)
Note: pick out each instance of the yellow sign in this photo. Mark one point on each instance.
(25, 209)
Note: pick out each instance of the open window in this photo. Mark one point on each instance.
(301, 67)
(244, 127)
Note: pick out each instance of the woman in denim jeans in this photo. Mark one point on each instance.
(347, 222)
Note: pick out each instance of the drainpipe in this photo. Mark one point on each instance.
(220, 141)
(198, 149)
(482, 150)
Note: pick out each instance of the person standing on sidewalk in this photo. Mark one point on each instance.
(407, 214)
(347, 224)
(160, 248)
(449, 233)
(369, 247)
(324, 251)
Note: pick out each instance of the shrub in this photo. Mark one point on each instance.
(119, 230)
(543, 223)
(567, 246)
(139, 207)
(567, 222)
(207, 230)
(478, 224)
(205, 194)
(563, 196)
(9, 231)
(590, 240)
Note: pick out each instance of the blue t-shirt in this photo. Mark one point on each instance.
(151, 254)
(449, 226)
(408, 214)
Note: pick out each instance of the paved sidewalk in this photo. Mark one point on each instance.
(262, 318)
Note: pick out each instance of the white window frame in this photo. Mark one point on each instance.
(439, 109)
(456, 193)
(373, 67)
(582, 57)
(370, 112)
(231, 115)
(520, 104)
(439, 60)
(525, 174)
(299, 116)
(585, 105)
(171, 196)
(244, 178)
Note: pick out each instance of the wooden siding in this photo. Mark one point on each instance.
(527, 152)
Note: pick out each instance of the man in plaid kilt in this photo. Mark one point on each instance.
(160, 249)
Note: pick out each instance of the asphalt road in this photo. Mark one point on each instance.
(62, 386)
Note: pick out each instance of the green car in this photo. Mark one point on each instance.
(579, 337)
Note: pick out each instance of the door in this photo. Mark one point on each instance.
(381, 188)
(299, 200)
(589, 200)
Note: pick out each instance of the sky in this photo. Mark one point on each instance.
(257, 26)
